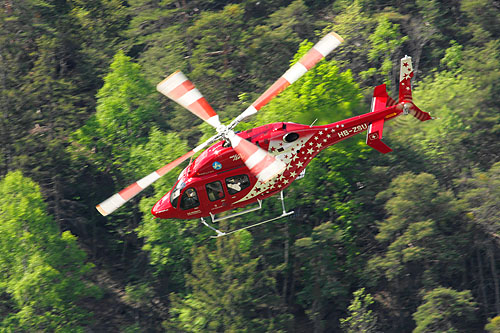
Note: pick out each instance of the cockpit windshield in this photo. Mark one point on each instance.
(174, 196)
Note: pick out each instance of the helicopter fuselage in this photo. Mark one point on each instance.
(218, 180)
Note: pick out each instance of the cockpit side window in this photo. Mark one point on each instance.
(237, 183)
(214, 190)
(174, 196)
(189, 199)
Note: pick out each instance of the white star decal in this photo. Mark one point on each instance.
(310, 151)
(300, 164)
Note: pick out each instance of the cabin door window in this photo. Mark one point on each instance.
(214, 191)
(189, 199)
(237, 183)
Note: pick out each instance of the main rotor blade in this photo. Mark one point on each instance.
(114, 202)
(261, 164)
(320, 50)
(182, 91)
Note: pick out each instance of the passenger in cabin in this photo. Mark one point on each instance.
(237, 183)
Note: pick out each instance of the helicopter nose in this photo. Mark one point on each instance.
(163, 209)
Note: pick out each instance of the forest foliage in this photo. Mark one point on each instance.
(407, 241)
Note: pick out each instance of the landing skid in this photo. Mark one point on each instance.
(222, 233)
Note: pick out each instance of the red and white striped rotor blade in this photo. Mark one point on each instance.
(181, 90)
(114, 202)
(261, 164)
(320, 50)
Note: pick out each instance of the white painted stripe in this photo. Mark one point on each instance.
(214, 121)
(148, 180)
(255, 158)
(327, 44)
(189, 98)
(271, 171)
(294, 73)
(171, 82)
(235, 139)
(251, 110)
(111, 204)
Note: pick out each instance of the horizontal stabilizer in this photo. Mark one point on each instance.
(374, 137)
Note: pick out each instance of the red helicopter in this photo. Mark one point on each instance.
(247, 167)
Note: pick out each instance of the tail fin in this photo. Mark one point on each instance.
(405, 75)
(380, 101)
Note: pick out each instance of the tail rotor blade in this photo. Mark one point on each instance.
(111, 204)
(181, 90)
(261, 164)
(320, 50)
(419, 114)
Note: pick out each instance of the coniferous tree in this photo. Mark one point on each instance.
(229, 291)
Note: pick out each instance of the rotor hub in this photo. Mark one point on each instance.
(406, 108)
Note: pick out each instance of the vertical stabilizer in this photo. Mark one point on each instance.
(380, 101)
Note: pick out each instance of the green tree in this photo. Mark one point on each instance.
(419, 210)
(229, 291)
(424, 239)
(385, 41)
(125, 113)
(322, 262)
(361, 318)
(216, 56)
(445, 310)
(493, 325)
(480, 195)
(355, 25)
(42, 270)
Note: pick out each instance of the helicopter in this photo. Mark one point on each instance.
(242, 168)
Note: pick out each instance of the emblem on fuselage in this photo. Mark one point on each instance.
(217, 165)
